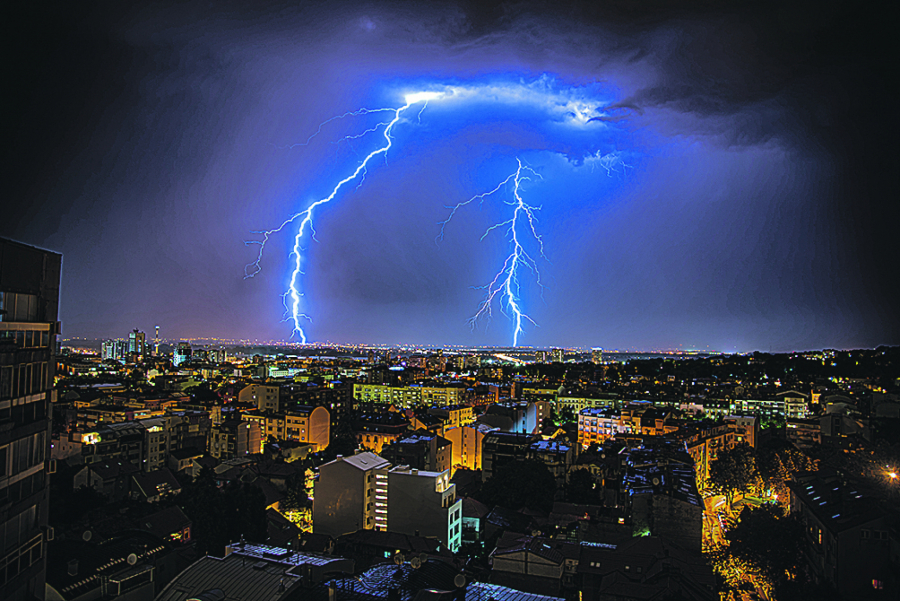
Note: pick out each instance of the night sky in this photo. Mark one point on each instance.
(708, 177)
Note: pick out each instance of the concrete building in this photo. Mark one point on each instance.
(577, 404)
(351, 494)
(424, 503)
(848, 538)
(182, 354)
(29, 297)
(234, 438)
(454, 415)
(499, 448)
(421, 450)
(266, 397)
(408, 396)
(364, 492)
(302, 424)
(517, 417)
(136, 342)
(467, 445)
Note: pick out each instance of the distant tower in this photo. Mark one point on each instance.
(156, 343)
(182, 353)
(136, 342)
(597, 356)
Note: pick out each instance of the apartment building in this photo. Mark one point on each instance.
(266, 397)
(351, 494)
(29, 297)
(365, 492)
(302, 424)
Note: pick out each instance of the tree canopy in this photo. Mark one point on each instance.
(518, 484)
(734, 471)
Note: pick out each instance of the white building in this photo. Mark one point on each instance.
(364, 492)
(424, 503)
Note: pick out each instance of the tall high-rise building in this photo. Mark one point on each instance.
(136, 342)
(558, 355)
(114, 349)
(182, 353)
(156, 343)
(596, 356)
(29, 299)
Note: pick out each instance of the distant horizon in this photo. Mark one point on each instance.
(521, 348)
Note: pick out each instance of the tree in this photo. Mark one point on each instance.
(223, 516)
(734, 471)
(295, 495)
(582, 488)
(517, 484)
(769, 541)
(778, 461)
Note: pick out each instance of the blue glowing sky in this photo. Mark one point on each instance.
(706, 179)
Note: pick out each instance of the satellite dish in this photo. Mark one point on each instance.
(655, 481)
(398, 558)
(87, 535)
(132, 559)
(459, 581)
(415, 562)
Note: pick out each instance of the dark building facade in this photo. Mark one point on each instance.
(29, 299)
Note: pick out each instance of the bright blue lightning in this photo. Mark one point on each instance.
(306, 216)
(505, 284)
(566, 111)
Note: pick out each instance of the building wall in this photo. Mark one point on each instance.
(319, 428)
(29, 297)
(345, 497)
(266, 397)
(424, 504)
(466, 442)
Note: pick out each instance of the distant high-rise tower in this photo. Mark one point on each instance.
(156, 343)
(182, 353)
(597, 356)
(114, 349)
(137, 342)
(559, 355)
(29, 299)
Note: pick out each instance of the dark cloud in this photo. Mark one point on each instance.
(148, 140)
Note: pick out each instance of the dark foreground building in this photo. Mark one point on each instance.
(29, 298)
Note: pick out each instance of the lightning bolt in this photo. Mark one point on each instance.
(505, 288)
(570, 108)
(305, 217)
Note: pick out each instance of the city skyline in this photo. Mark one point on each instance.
(748, 210)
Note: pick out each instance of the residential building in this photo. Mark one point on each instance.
(577, 404)
(454, 415)
(499, 448)
(375, 430)
(421, 450)
(266, 397)
(467, 445)
(424, 503)
(351, 494)
(234, 438)
(364, 492)
(301, 424)
(847, 537)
